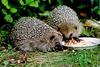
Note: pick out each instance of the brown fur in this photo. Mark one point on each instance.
(65, 20)
(30, 34)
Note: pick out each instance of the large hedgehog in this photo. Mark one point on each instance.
(65, 20)
(30, 34)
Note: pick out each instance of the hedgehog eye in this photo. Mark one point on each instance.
(52, 37)
(58, 29)
(75, 27)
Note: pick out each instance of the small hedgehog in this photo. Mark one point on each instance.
(65, 20)
(30, 34)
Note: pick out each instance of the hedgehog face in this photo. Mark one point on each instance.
(55, 39)
(70, 30)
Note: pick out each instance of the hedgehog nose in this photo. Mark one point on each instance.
(70, 36)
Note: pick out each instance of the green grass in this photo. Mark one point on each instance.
(80, 58)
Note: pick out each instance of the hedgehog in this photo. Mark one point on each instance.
(31, 34)
(65, 20)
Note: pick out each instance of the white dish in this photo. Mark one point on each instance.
(89, 42)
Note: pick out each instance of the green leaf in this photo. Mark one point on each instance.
(60, 2)
(9, 47)
(21, 2)
(97, 2)
(85, 32)
(81, 6)
(42, 7)
(34, 4)
(46, 13)
(6, 62)
(3, 33)
(8, 18)
(95, 8)
(5, 3)
(13, 10)
(99, 11)
(49, 1)
(4, 11)
(28, 2)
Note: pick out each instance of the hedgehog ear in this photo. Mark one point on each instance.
(52, 37)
